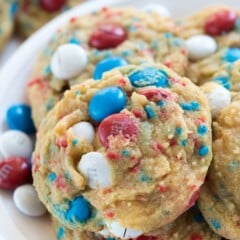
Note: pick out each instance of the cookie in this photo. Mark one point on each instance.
(219, 199)
(34, 14)
(219, 22)
(98, 42)
(212, 39)
(7, 11)
(189, 226)
(128, 151)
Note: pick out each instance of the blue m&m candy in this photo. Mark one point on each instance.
(107, 101)
(232, 55)
(18, 117)
(79, 210)
(106, 65)
(149, 76)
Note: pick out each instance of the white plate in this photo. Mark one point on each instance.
(13, 77)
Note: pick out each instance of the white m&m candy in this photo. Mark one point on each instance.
(84, 130)
(218, 97)
(200, 46)
(122, 232)
(26, 200)
(15, 143)
(96, 169)
(161, 10)
(68, 61)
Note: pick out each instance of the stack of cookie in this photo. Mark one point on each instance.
(126, 143)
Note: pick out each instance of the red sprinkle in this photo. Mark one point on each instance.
(113, 155)
(62, 142)
(196, 236)
(122, 82)
(169, 64)
(173, 142)
(162, 188)
(72, 19)
(155, 94)
(110, 214)
(138, 113)
(220, 22)
(60, 181)
(107, 36)
(37, 81)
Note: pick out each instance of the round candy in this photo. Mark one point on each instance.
(232, 55)
(149, 76)
(220, 22)
(68, 61)
(106, 102)
(84, 130)
(106, 65)
(124, 233)
(15, 143)
(14, 171)
(218, 97)
(79, 210)
(200, 46)
(26, 200)
(117, 124)
(52, 5)
(95, 168)
(161, 10)
(19, 117)
(107, 36)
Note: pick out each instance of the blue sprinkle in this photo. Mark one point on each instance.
(202, 130)
(155, 44)
(177, 42)
(161, 103)
(144, 178)
(77, 93)
(52, 177)
(232, 55)
(13, 9)
(223, 80)
(149, 111)
(198, 217)
(203, 151)
(132, 28)
(126, 53)
(178, 131)
(50, 104)
(233, 165)
(74, 142)
(60, 233)
(47, 70)
(215, 224)
(149, 76)
(190, 106)
(74, 41)
(79, 210)
(184, 143)
(125, 153)
(106, 65)
(168, 35)
(67, 176)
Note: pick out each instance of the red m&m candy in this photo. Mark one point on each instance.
(14, 171)
(107, 36)
(220, 22)
(117, 124)
(52, 5)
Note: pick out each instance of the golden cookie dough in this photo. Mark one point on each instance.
(156, 148)
(220, 195)
(189, 226)
(150, 38)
